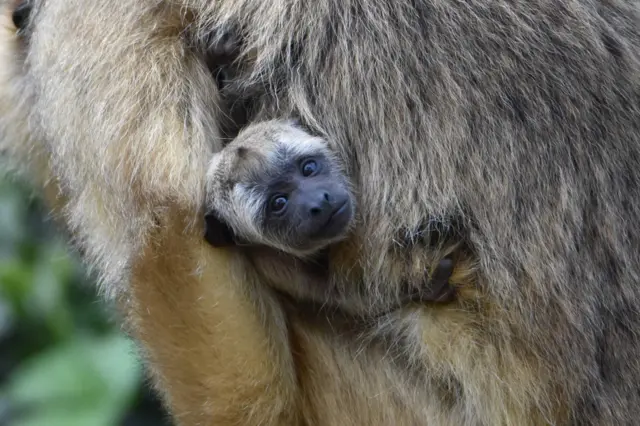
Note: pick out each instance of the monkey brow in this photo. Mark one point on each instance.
(279, 183)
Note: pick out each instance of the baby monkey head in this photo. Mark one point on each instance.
(276, 185)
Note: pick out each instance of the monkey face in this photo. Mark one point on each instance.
(308, 205)
(276, 185)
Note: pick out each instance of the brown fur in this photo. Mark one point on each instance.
(521, 119)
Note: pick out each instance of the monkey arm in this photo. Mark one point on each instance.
(217, 345)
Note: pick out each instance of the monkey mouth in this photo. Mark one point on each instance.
(337, 220)
(338, 211)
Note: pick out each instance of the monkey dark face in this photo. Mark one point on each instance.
(276, 185)
(307, 205)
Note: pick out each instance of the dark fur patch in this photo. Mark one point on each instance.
(436, 288)
(241, 151)
(612, 45)
(217, 232)
(21, 13)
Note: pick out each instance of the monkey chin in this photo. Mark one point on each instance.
(334, 229)
(338, 221)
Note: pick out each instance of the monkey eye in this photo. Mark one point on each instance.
(278, 203)
(309, 167)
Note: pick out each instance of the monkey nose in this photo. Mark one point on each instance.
(320, 205)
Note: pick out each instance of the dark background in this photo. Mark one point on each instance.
(63, 359)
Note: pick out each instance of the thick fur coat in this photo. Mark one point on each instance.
(518, 119)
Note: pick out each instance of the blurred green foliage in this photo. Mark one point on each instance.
(63, 361)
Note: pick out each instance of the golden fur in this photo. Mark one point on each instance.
(519, 118)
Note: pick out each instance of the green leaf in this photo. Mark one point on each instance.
(63, 372)
(50, 282)
(95, 379)
(79, 415)
(16, 280)
(118, 364)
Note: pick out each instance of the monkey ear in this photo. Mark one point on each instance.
(217, 232)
